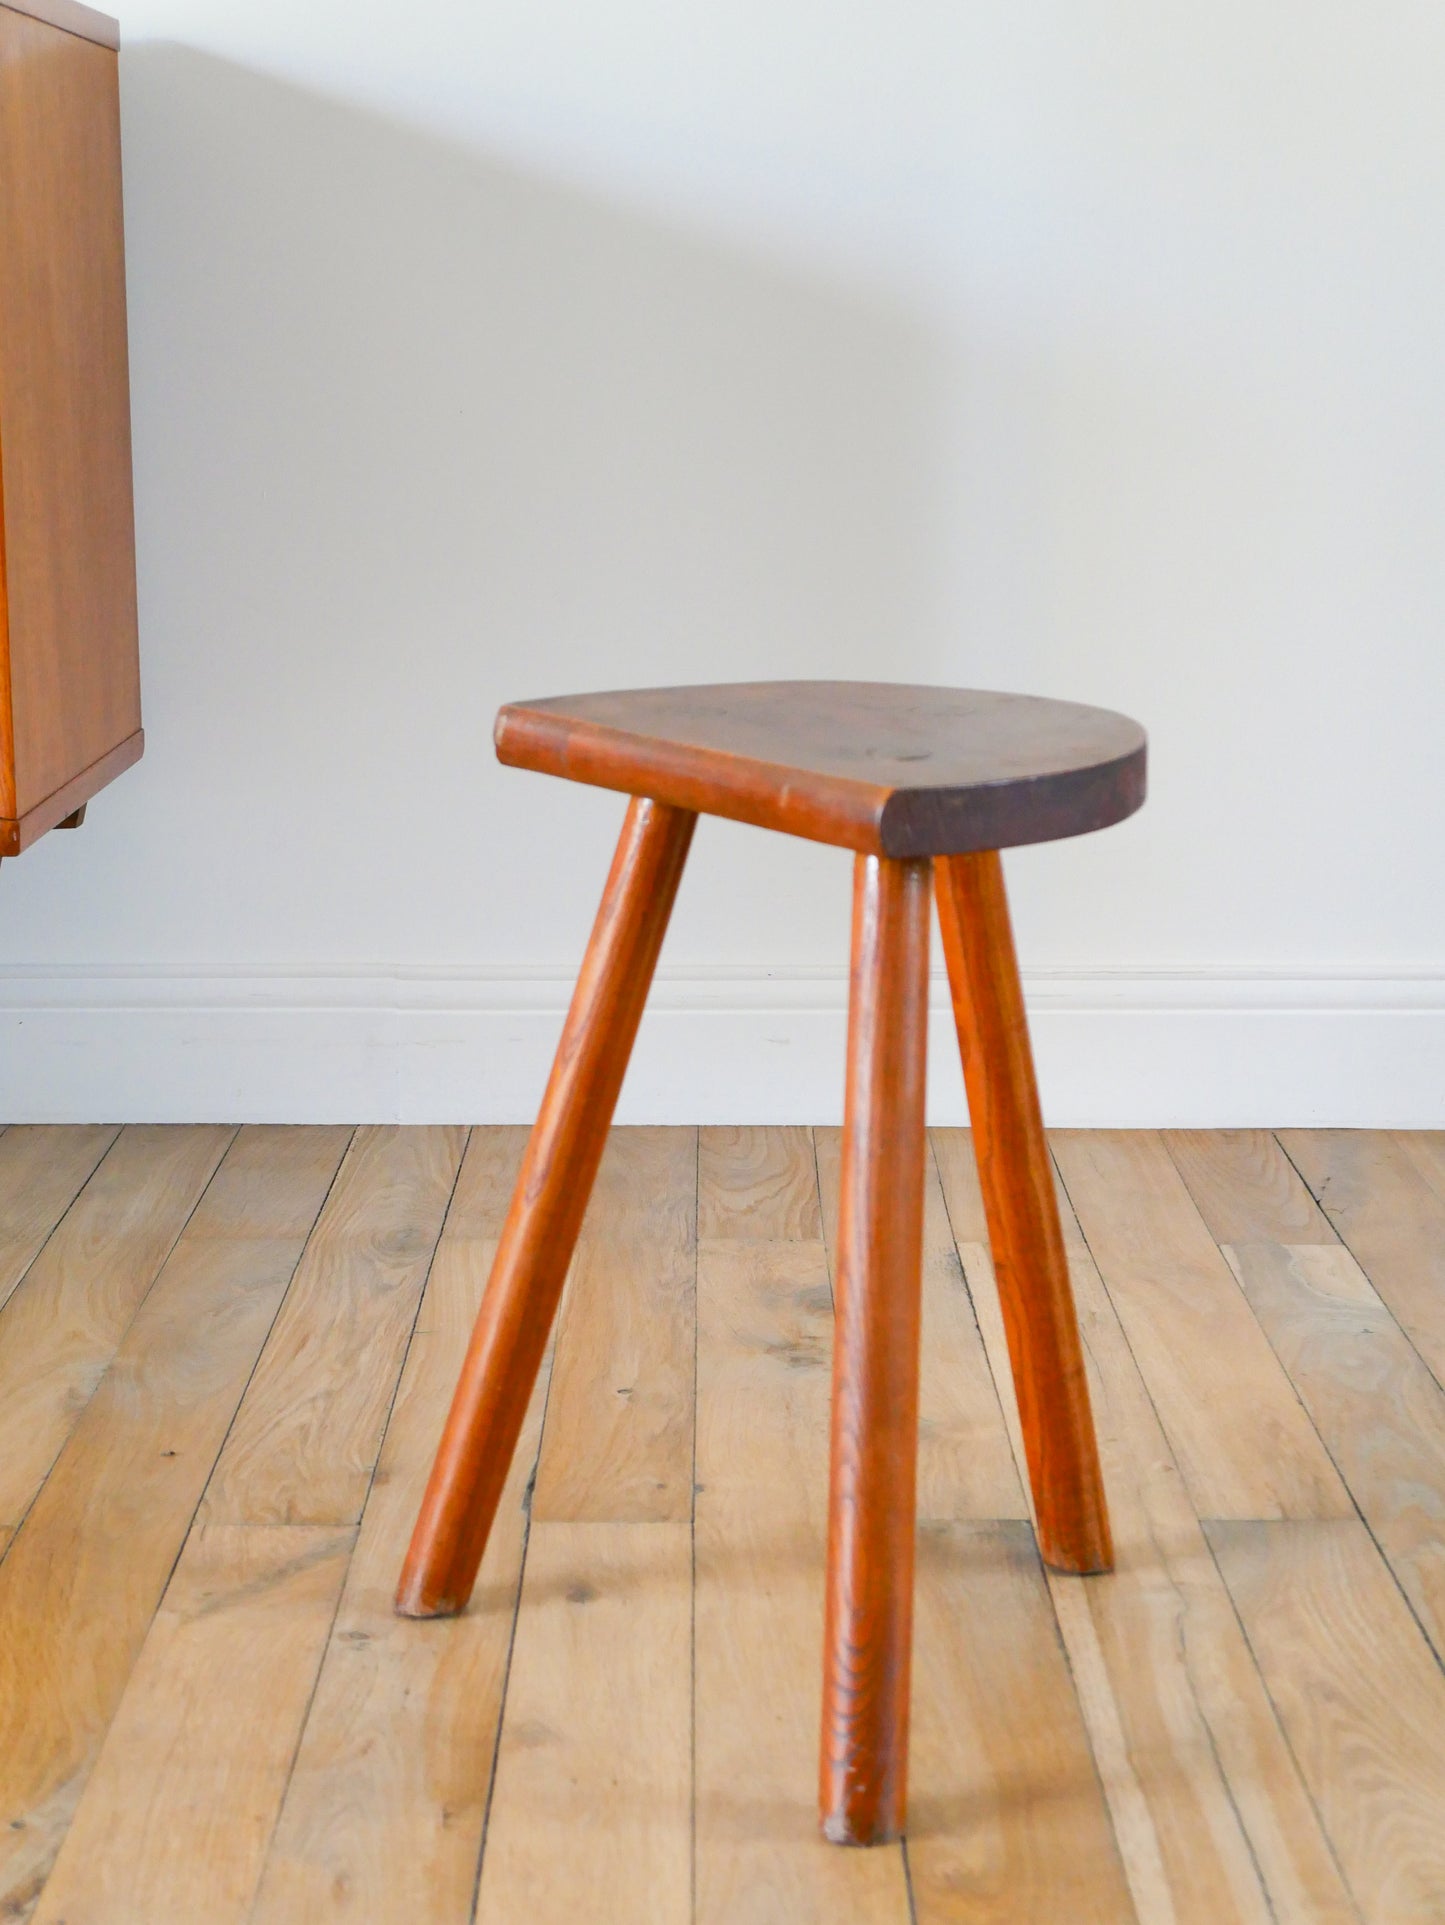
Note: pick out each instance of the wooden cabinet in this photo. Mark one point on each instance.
(69, 668)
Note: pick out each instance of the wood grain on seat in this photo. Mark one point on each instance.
(883, 768)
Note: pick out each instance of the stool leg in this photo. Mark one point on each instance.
(863, 1770)
(1023, 1214)
(546, 1214)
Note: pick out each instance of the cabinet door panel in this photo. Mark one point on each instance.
(65, 463)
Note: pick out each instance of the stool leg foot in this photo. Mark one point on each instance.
(863, 1770)
(1023, 1215)
(541, 1229)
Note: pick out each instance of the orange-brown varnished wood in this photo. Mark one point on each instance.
(9, 842)
(65, 808)
(546, 1214)
(903, 776)
(863, 1768)
(73, 18)
(876, 766)
(69, 665)
(1023, 1216)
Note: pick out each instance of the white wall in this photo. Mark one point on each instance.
(1090, 347)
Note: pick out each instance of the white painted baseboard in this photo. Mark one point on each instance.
(1207, 1048)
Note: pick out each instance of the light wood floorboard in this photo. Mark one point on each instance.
(1376, 1405)
(63, 1323)
(1246, 1188)
(1235, 1423)
(1361, 1698)
(617, 1447)
(181, 1805)
(384, 1809)
(995, 1711)
(82, 1580)
(1385, 1195)
(305, 1441)
(764, 1346)
(42, 1171)
(1210, 1813)
(225, 1359)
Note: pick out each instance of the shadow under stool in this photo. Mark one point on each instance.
(926, 785)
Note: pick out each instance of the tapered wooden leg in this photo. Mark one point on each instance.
(863, 1772)
(1023, 1215)
(546, 1214)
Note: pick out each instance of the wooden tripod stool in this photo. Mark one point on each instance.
(927, 785)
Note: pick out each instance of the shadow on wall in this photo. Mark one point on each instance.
(414, 435)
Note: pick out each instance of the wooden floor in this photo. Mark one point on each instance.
(224, 1361)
